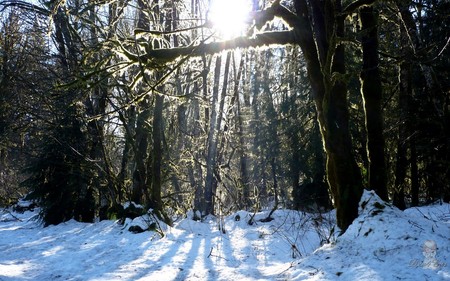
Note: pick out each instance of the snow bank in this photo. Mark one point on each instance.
(383, 243)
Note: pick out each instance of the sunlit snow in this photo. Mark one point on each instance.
(383, 243)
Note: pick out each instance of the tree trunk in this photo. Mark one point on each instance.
(140, 153)
(295, 167)
(372, 94)
(181, 113)
(155, 194)
(245, 201)
(330, 96)
(259, 165)
(142, 133)
(272, 142)
(319, 160)
(414, 174)
(400, 169)
(212, 143)
(403, 131)
(196, 179)
(122, 177)
(180, 140)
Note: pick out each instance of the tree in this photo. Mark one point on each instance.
(371, 89)
(422, 100)
(24, 81)
(60, 177)
(214, 126)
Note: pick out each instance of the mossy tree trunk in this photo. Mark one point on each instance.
(325, 60)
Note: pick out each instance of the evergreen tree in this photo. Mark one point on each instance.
(61, 174)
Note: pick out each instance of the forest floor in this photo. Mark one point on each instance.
(383, 243)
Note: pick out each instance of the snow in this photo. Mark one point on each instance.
(383, 243)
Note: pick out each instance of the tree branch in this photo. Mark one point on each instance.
(276, 10)
(259, 40)
(23, 5)
(356, 5)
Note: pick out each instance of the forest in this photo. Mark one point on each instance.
(302, 107)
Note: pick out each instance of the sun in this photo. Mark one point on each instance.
(229, 18)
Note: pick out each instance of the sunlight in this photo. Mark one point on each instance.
(53, 251)
(229, 17)
(15, 269)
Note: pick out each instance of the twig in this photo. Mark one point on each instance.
(210, 252)
(14, 217)
(211, 255)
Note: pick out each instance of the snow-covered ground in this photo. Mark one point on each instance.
(383, 243)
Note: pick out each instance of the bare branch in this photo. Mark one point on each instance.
(23, 5)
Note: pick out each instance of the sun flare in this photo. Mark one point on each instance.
(229, 17)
